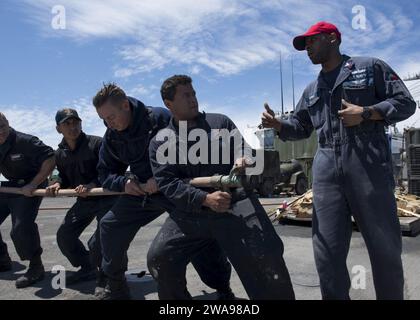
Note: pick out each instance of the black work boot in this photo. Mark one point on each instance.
(100, 284)
(85, 273)
(34, 274)
(225, 294)
(5, 263)
(116, 290)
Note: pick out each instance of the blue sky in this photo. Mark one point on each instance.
(230, 48)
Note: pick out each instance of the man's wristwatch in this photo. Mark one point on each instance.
(131, 176)
(367, 113)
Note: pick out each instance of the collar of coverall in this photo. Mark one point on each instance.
(199, 119)
(64, 145)
(347, 67)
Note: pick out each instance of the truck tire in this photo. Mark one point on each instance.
(301, 185)
(266, 188)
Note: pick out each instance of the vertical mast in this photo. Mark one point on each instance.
(281, 81)
(293, 85)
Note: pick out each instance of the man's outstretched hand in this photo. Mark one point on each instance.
(269, 120)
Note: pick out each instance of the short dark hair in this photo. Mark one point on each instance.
(3, 117)
(109, 92)
(168, 89)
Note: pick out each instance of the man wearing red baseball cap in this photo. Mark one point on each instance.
(349, 105)
(318, 28)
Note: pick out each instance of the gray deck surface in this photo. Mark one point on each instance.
(298, 256)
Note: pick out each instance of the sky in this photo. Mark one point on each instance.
(58, 53)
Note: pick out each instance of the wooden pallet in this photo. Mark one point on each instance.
(410, 226)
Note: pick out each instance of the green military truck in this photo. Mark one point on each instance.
(288, 165)
(295, 160)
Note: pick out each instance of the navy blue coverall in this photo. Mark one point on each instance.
(21, 158)
(352, 173)
(246, 235)
(78, 167)
(119, 226)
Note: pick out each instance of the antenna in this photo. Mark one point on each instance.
(293, 85)
(281, 88)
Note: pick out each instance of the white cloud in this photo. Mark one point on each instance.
(142, 91)
(40, 122)
(91, 122)
(414, 121)
(246, 121)
(32, 120)
(408, 67)
(225, 36)
(194, 70)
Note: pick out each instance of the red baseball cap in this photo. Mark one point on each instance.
(320, 27)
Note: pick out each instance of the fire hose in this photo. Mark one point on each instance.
(216, 182)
